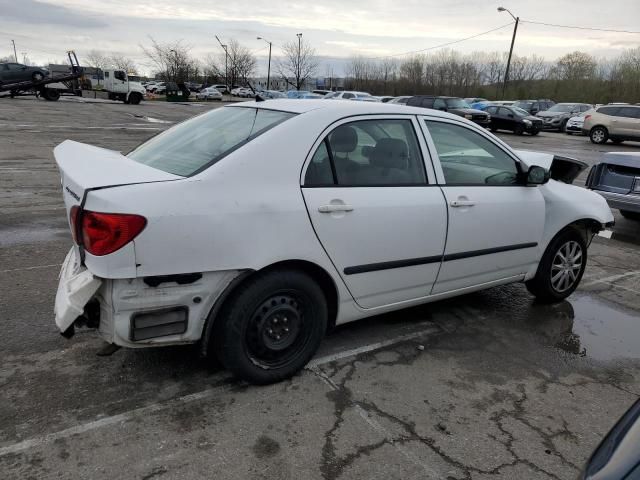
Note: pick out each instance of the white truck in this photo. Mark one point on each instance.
(117, 86)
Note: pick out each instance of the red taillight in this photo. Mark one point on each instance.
(73, 221)
(587, 117)
(104, 233)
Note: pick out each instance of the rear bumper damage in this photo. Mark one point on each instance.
(138, 312)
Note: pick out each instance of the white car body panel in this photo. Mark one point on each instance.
(248, 212)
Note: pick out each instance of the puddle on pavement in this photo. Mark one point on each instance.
(595, 329)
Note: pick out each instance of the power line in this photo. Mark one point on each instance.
(580, 28)
(441, 45)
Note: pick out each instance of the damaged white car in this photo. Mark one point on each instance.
(254, 228)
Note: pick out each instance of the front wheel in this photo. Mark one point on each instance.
(519, 130)
(135, 98)
(630, 215)
(560, 269)
(271, 326)
(535, 132)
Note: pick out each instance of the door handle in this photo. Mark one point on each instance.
(335, 208)
(462, 203)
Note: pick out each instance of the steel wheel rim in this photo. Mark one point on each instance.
(277, 331)
(566, 266)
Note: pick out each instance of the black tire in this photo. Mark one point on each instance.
(51, 94)
(599, 135)
(534, 132)
(563, 126)
(630, 215)
(37, 76)
(519, 130)
(271, 326)
(135, 98)
(543, 286)
(493, 129)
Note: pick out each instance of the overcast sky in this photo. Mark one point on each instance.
(45, 29)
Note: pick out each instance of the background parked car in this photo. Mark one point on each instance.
(347, 95)
(385, 98)
(574, 124)
(558, 115)
(534, 106)
(403, 99)
(514, 119)
(221, 87)
(617, 179)
(16, 72)
(613, 122)
(272, 94)
(296, 93)
(476, 102)
(453, 105)
(209, 93)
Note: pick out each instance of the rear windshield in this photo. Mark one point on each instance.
(198, 143)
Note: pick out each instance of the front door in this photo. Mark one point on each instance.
(380, 220)
(495, 222)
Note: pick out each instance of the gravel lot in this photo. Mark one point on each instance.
(489, 385)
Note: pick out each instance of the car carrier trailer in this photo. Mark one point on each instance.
(45, 87)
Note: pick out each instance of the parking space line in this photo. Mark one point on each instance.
(610, 279)
(31, 268)
(373, 346)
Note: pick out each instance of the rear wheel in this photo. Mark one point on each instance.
(599, 135)
(271, 326)
(50, 94)
(560, 269)
(630, 215)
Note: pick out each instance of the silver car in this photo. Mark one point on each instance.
(617, 179)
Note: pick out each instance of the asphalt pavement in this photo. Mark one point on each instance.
(485, 386)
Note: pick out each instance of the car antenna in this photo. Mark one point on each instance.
(258, 97)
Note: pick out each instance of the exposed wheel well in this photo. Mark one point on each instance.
(316, 272)
(599, 126)
(587, 227)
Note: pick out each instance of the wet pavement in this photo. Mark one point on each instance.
(486, 386)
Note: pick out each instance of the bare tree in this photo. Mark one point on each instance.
(299, 62)
(242, 63)
(123, 63)
(171, 60)
(575, 66)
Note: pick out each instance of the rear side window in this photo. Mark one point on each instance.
(198, 143)
(609, 110)
(629, 112)
(381, 152)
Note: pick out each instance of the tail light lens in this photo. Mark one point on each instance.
(587, 117)
(104, 233)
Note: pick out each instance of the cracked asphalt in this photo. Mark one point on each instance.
(486, 386)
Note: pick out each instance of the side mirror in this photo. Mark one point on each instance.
(537, 175)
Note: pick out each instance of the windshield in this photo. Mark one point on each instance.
(520, 112)
(523, 105)
(457, 103)
(562, 108)
(198, 143)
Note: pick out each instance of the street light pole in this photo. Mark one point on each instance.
(298, 73)
(226, 65)
(269, 67)
(15, 54)
(513, 39)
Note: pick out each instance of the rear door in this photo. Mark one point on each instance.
(376, 209)
(495, 223)
(628, 122)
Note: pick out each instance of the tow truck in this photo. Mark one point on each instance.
(46, 87)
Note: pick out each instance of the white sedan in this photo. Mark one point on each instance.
(255, 227)
(209, 93)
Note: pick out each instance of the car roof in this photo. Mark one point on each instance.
(341, 108)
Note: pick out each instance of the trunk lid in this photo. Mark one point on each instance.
(85, 167)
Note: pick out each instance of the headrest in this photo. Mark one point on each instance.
(390, 153)
(343, 139)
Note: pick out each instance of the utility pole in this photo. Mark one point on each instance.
(269, 66)
(15, 54)
(513, 39)
(298, 69)
(226, 65)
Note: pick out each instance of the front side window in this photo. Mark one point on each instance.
(505, 112)
(200, 142)
(369, 153)
(468, 158)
